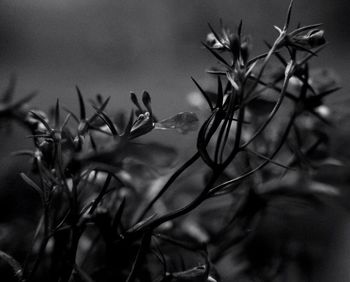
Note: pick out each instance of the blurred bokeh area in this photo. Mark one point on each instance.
(113, 47)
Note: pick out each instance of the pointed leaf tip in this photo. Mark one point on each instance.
(146, 100)
(81, 104)
(289, 13)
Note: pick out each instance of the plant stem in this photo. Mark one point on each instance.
(184, 210)
(145, 242)
(16, 267)
(175, 175)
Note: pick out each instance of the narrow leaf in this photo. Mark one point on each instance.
(74, 116)
(16, 267)
(203, 93)
(328, 92)
(304, 28)
(289, 12)
(240, 28)
(135, 101)
(220, 94)
(23, 153)
(42, 120)
(81, 104)
(66, 119)
(31, 183)
(109, 123)
(324, 188)
(118, 215)
(146, 100)
(101, 194)
(100, 109)
(93, 143)
(278, 29)
(217, 37)
(216, 55)
(57, 113)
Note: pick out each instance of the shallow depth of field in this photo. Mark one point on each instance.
(138, 151)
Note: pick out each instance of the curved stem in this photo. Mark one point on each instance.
(186, 209)
(171, 180)
(273, 112)
(16, 267)
(263, 164)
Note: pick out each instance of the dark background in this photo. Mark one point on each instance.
(114, 47)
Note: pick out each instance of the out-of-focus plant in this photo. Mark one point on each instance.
(105, 215)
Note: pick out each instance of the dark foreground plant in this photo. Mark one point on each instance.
(105, 215)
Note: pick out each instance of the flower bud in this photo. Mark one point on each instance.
(213, 42)
(245, 49)
(142, 125)
(314, 38)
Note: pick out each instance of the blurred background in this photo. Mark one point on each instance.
(114, 47)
